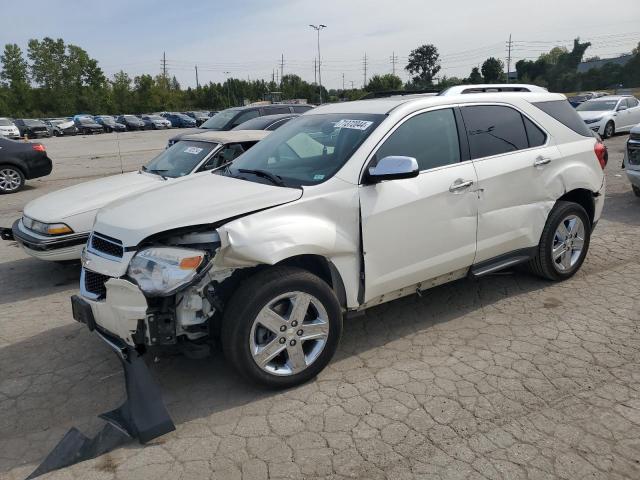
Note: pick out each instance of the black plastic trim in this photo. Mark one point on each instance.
(500, 262)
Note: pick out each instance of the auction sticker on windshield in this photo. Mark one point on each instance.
(354, 124)
(193, 150)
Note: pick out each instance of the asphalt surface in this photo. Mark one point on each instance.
(507, 377)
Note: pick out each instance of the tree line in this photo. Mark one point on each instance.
(58, 79)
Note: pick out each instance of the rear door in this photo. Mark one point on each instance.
(420, 228)
(514, 159)
(633, 107)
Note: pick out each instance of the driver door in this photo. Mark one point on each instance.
(420, 228)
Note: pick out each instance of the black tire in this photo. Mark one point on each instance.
(609, 129)
(636, 190)
(543, 264)
(10, 171)
(249, 299)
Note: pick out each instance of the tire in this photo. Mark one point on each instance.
(636, 190)
(241, 332)
(11, 179)
(609, 130)
(565, 265)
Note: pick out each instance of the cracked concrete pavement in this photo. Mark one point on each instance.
(508, 377)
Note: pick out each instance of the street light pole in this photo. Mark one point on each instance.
(317, 28)
(228, 96)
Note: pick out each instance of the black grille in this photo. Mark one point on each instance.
(635, 136)
(106, 245)
(94, 283)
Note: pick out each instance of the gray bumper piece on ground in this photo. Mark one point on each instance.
(143, 416)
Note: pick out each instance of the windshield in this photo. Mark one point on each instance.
(219, 120)
(597, 106)
(180, 159)
(154, 117)
(34, 123)
(107, 120)
(308, 151)
(5, 122)
(86, 121)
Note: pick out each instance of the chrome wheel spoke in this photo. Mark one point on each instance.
(562, 233)
(558, 251)
(568, 243)
(271, 320)
(314, 331)
(297, 360)
(565, 260)
(300, 307)
(265, 354)
(578, 243)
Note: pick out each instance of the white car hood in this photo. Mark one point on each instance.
(592, 115)
(203, 198)
(64, 125)
(89, 196)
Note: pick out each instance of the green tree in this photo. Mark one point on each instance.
(381, 83)
(120, 92)
(475, 76)
(493, 70)
(424, 64)
(15, 80)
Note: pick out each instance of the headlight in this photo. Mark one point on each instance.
(162, 270)
(593, 120)
(46, 228)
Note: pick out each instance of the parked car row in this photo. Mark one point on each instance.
(610, 114)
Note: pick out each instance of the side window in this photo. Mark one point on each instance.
(493, 129)
(536, 136)
(243, 117)
(632, 102)
(277, 124)
(431, 138)
(276, 110)
(301, 108)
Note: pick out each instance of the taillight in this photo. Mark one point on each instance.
(602, 154)
(38, 147)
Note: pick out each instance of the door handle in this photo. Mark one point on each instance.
(541, 161)
(459, 185)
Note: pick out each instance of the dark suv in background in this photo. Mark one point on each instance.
(232, 117)
(31, 128)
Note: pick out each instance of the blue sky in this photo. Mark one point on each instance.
(248, 37)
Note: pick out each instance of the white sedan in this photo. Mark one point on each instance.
(611, 114)
(56, 226)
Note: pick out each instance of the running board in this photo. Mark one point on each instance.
(143, 416)
(501, 262)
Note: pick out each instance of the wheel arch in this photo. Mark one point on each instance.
(584, 198)
(12, 162)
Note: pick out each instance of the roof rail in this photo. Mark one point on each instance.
(395, 93)
(492, 88)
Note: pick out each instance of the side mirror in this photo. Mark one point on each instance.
(393, 168)
(621, 108)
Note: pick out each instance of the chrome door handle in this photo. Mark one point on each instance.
(541, 161)
(460, 185)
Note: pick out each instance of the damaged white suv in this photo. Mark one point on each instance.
(348, 206)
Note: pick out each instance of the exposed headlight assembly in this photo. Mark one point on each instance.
(160, 271)
(46, 228)
(593, 120)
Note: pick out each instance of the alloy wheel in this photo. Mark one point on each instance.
(289, 333)
(568, 243)
(10, 180)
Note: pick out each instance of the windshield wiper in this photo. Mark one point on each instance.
(156, 171)
(275, 179)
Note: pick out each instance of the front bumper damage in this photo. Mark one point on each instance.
(143, 416)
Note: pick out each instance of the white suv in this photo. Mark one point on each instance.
(346, 207)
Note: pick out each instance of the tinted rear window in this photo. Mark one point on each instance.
(563, 112)
(493, 130)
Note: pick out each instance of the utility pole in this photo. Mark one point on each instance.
(197, 82)
(351, 84)
(509, 57)
(343, 82)
(315, 70)
(228, 94)
(317, 28)
(164, 64)
(394, 60)
(281, 69)
(273, 76)
(364, 64)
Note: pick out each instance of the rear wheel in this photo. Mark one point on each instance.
(609, 130)
(11, 179)
(564, 242)
(636, 190)
(281, 327)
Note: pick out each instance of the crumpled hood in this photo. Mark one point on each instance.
(64, 125)
(586, 115)
(195, 200)
(84, 197)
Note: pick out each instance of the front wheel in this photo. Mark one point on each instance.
(281, 327)
(11, 179)
(564, 242)
(609, 130)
